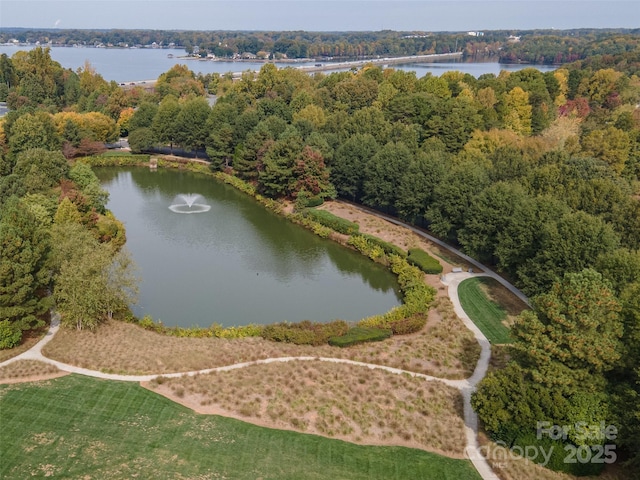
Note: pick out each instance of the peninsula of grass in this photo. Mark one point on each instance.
(488, 315)
(72, 427)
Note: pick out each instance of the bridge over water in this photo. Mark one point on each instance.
(333, 66)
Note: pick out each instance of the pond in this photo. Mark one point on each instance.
(234, 262)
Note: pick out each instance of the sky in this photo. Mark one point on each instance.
(321, 15)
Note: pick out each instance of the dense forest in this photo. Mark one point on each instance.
(513, 46)
(536, 174)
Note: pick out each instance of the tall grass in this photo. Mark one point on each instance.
(78, 427)
(335, 400)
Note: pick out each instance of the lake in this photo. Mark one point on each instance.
(236, 263)
(137, 64)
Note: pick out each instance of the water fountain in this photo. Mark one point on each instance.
(189, 203)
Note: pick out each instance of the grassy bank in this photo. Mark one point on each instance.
(72, 427)
(488, 315)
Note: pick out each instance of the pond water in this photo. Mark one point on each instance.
(234, 263)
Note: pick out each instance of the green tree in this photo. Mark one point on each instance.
(417, 185)
(121, 283)
(487, 217)
(248, 159)
(40, 170)
(23, 274)
(347, 171)
(276, 178)
(573, 335)
(453, 121)
(40, 78)
(568, 244)
(453, 196)
(627, 392)
(521, 236)
(382, 175)
(33, 131)
(191, 124)
(142, 140)
(143, 116)
(82, 175)
(561, 353)
(91, 283)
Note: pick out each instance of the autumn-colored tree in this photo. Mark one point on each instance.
(573, 335)
(312, 175)
(313, 114)
(180, 82)
(517, 116)
(600, 85)
(609, 144)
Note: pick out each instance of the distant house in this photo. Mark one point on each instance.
(475, 34)
(513, 39)
(248, 56)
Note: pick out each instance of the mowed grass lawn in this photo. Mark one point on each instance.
(80, 427)
(485, 313)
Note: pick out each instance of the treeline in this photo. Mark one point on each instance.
(58, 243)
(534, 173)
(556, 48)
(534, 46)
(291, 44)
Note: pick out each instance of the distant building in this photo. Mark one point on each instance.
(513, 39)
(475, 34)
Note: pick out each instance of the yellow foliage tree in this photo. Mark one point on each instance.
(312, 113)
(610, 144)
(600, 85)
(518, 112)
(562, 76)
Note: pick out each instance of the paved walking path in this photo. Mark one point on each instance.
(466, 387)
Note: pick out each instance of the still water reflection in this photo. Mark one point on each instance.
(236, 263)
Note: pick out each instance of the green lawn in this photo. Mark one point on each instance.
(80, 427)
(486, 314)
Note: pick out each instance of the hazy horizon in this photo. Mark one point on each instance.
(326, 15)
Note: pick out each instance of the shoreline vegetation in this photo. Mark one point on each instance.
(403, 319)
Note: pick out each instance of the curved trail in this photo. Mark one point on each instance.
(466, 386)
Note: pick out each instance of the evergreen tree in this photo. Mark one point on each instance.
(23, 274)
